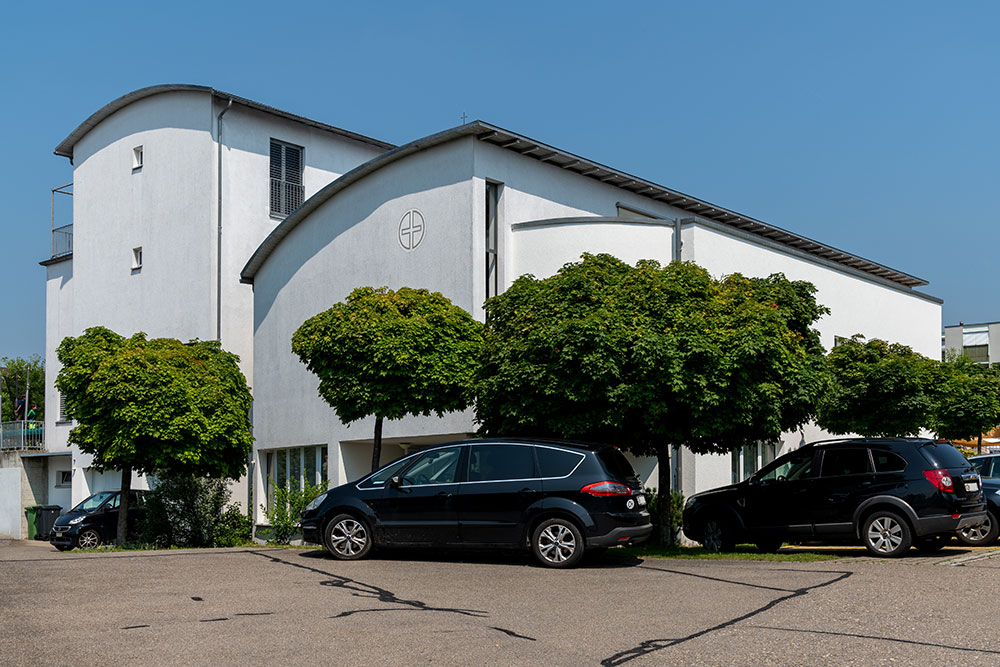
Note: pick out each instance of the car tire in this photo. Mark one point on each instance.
(347, 537)
(886, 534)
(88, 538)
(770, 546)
(557, 542)
(717, 535)
(932, 544)
(983, 535)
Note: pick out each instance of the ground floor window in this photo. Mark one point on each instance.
(750, 458)
(293, 467)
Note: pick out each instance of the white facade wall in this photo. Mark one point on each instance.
(350, 241)
(169, 208)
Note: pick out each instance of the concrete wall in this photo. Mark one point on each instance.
(11, 511)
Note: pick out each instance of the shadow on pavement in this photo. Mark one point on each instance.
(513, 557)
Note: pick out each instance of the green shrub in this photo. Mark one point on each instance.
(675, 511)
(286, 508)
(190, 511)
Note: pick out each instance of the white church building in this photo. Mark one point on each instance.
(200, 214)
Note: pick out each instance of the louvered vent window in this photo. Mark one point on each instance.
(287, 191)
(63, 417)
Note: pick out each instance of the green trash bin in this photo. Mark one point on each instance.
(31, 512)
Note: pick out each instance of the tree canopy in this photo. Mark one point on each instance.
(649, 356)
(155, 405)
(17, 374)
(389, 354)
(966, 399)
(877, 389)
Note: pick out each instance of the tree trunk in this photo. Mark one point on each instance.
(377, 448)
(123, 505)
(979, 447)
(663, 496)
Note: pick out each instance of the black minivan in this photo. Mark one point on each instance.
(556, 498)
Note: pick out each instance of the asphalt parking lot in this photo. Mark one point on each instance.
(290, 606)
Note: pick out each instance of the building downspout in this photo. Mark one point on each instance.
(218, 268)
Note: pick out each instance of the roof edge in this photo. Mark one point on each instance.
(65, 147)
(522, 145)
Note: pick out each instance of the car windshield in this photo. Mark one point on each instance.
(93, 502)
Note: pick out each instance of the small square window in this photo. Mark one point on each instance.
(136, 258)
(137, 158)
(64, 478)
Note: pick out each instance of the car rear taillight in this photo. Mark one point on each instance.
(607, 488)
(941, 479)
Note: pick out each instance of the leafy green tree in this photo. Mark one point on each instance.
(18, 376)
(966, 399)
(650, 357)
(155, 406)
(877, 389)
(390, 354)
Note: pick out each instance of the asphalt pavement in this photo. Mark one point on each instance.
(291, 606)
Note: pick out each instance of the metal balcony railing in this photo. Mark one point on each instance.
(24, 435)
(62, 236)
(62, 241)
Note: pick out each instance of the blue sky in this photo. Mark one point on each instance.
(872, 127)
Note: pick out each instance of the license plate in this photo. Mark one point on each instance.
(641, 500)
(971, 487)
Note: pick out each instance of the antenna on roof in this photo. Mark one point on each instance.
(465, 118)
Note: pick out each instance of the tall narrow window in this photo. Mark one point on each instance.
(136, 258)
(137, 158)
(287, 191)
(492, 235)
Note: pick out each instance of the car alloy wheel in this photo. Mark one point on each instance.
(982, 535)
(348, 538)
(557, 543)
(716, 536)
(88, 539)
(886, 535)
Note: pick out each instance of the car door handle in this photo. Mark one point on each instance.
(444, 494)
(527, 490)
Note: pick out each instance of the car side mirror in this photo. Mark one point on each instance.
(395, 481)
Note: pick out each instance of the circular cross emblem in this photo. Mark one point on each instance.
(411, 229)
(630, 504)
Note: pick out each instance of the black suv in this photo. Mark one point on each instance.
(889, 493)
(95, 520)
(555, 498)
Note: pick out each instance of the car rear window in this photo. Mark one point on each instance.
(888, 462)
(943, 455)
(557, 462)
(616, 463)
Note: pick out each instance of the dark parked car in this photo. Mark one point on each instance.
(95, 520)
(888, 493)
(986, 534)
(555, 498)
